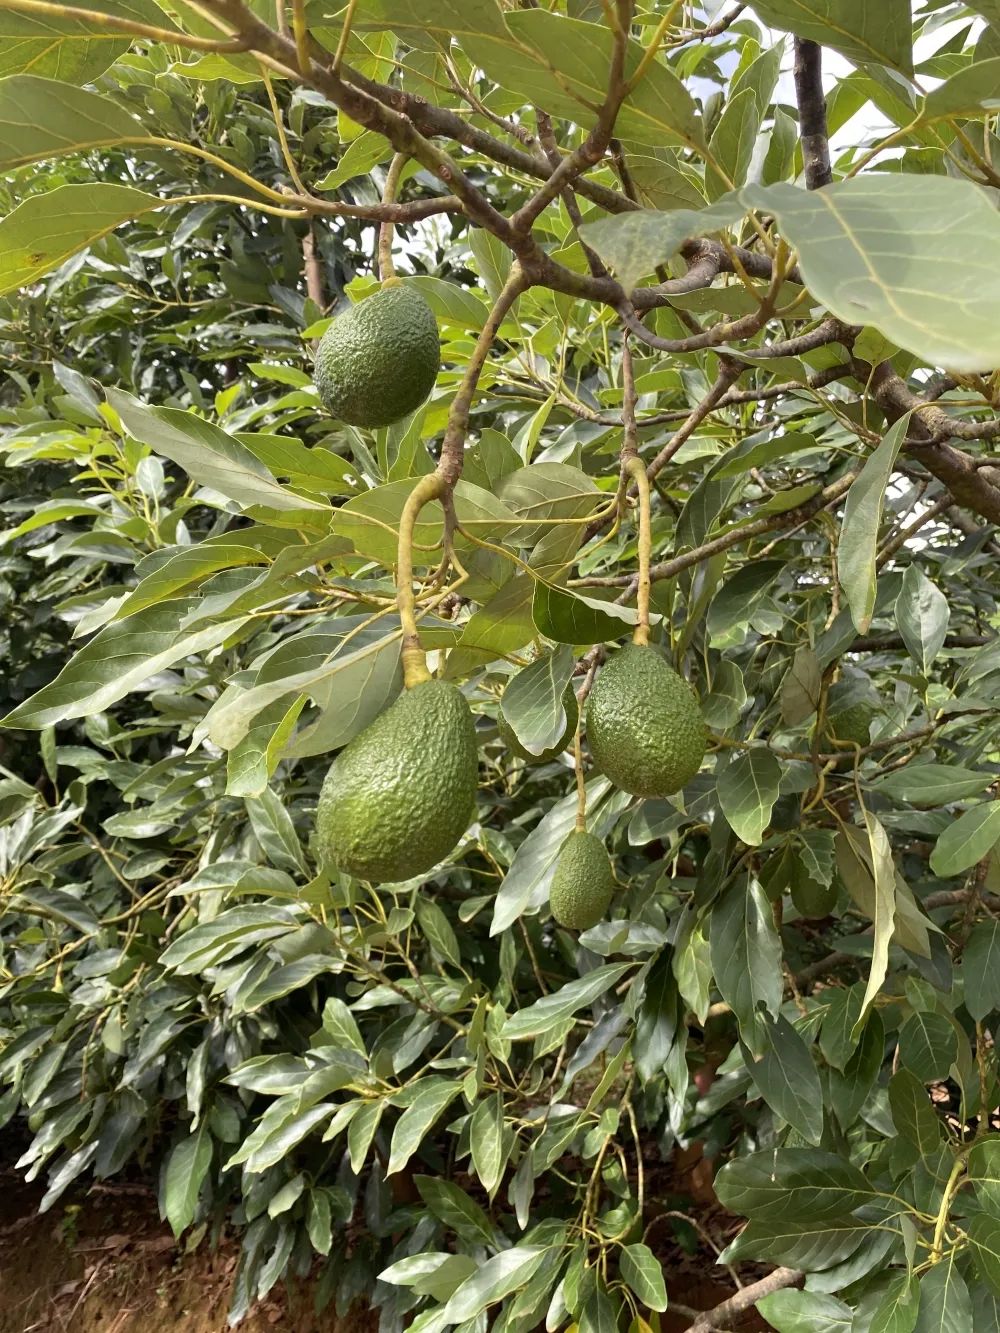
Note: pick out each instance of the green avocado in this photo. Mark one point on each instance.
(853, 724)
(584, 882)
(398, 797)
(378, 361)
(572, 710)
(644, 725)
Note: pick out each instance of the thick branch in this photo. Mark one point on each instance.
(745, 1298)
(808, 73)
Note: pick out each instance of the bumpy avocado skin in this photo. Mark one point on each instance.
(509, 739)
(398, 798)
(584, 882)
(378, 361)
(853, 724)
(644, 726)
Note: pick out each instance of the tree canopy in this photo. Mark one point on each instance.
(720, 371)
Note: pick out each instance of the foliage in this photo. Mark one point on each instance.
(430, 1085)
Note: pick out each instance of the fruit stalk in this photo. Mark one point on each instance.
(634, 470)
(386, 268)
(430, 487)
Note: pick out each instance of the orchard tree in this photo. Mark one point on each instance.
(708, 388)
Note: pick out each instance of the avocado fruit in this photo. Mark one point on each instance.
(584, 882)
(399, 796)
(852, 725)
(378, 361)
(644, 725)
(509, 738)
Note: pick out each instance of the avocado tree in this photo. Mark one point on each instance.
(499, 609)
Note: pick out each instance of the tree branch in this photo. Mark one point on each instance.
(745, 1298)
(808, 74)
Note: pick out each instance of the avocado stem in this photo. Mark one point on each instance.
(429, 487)
(386, 232)
(635, 468)
(581, 786)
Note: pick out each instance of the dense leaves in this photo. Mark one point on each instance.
(429, 1092)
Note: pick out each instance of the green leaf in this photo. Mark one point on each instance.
(966, 93)
(494, 1281)
(792, 1183)
(801, 687)
(836, 1039)
(945, 1306)
(981, 970)
(746, 957)
(207, 454)
(552, 1010)
(635, 243)
(438, 930)
(184, 1175)
(928, 1045)
(932, 784)
(912, 1113)
(964, 843)
(657, 1021)
(865, 33)
(922, 615)
(900, 1306)
(643, 1272)
(806, 1312)
(116, 661)
(47, 228)
(748, 788)
(533, 700)
(866, 867)
(984, 1172)
(983, 1232)
(357, 159)
(850, 1089)
(862, 520)
(811, 1246)
(432, 1097)
(786, 1078)
(724, 706)
(866, 246)
(486, 1139)
(251, 763)
(361, 1133)
(42, 118)
(281, 1128)
(569, 617)
(452, 1206)
(71, 49)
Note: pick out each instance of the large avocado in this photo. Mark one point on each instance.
(398, 798)
(509, 737)
(378, 361)
(644, 725)
(584, 882)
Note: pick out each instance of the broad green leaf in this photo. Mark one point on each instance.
(495, 1280)
(438, 931)
(851, 1088)
(922, 615)
(550, 1011)
(657, 1021)
(932, 784)
(486, 1139)
(70, 48)
(790, 1183)
(801, 687)
(945, 1305)
(724, 706)
(251, 763)
(862, 521)
(864, 859)
(928, 1045)
(357, 693)
(984, 1172)
(732, 145)
(984, 1240)
(635, 243)
(116, 661)
(806, 1312)
(184, 1176)
(965, 842)
(899, 1307)
(42, 118)
(867, 245)
(640, 1268)
(533, 700)
(965, 93)
(912, 1113)
(569, 617)
(836, 1038)
(811, 1246)
(746, 957)
(361, 1133)
(357, 159)
(183, 569)
(452, 1206)
(748, 788)
(865, 33)
(47, 228)
(981, 969)
(207, 454)
(786, 1077)
(432, 1097)
(52, 511)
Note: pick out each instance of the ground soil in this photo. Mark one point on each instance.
(102, 1262)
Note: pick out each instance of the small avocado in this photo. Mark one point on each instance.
(584, 882)
(400, 795)
(644, 725)
(378, 361)
(852, 725)
(572, 711)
